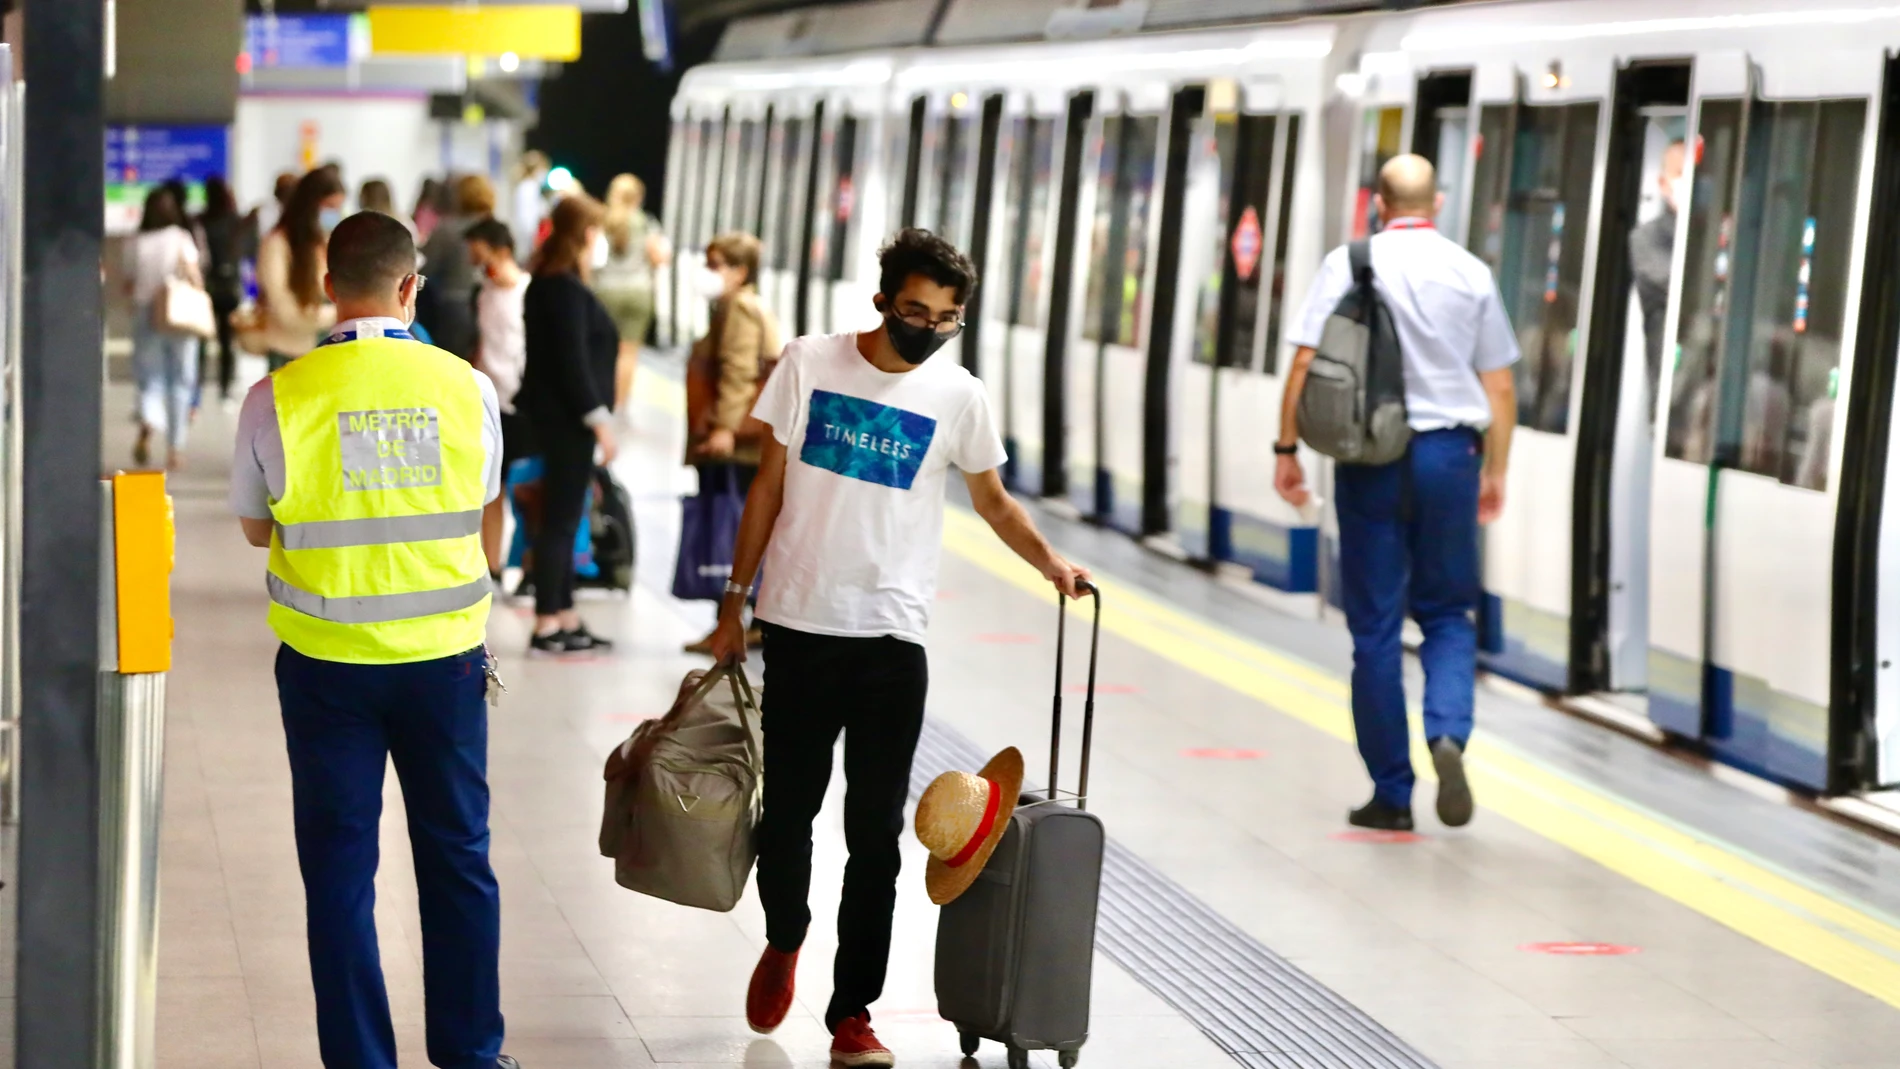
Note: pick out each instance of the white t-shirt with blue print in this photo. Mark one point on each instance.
(856, 549)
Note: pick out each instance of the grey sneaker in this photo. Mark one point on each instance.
(1454, 791)
(505, 1062)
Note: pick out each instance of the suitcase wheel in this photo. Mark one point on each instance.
(968, 1041)
(1068, 1058)
(1018, 1058)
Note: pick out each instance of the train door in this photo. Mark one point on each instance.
(804, 315)
(847, 303)
(1532, 223)
(1866, 626)
(1028, 224)
(743, 201)
(786, 196)
(1052, 474)
(981, 344)
(815, 291)
(696, 313)
(947, 204)
(1237, 222)
(1744, 497)
(1107, 365)
(731, 193)
(666, 277)
(1647, 149)
(1443, 132)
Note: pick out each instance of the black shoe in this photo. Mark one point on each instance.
(1454, 791)
(591, 640)
(557, 642)
(1380, 817)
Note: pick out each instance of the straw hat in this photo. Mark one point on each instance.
(961, 818)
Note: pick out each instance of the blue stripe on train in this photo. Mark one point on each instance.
(1279, 556)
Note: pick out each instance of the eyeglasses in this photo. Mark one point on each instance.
(947, 328)
(421, 281)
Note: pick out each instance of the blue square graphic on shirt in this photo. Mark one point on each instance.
(864, 440)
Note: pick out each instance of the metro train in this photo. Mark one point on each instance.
(1694, 524)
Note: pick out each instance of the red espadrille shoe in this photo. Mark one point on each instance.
(769, 997)
(855, 1044)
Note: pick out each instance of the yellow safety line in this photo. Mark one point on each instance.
(1824, 933)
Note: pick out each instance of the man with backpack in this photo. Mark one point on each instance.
(1408, 527)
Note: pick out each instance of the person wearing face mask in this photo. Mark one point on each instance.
(293, 313)
(846, 520)
(1652, 260)
(500, 353)
(727, 369)
(361, 467)
(567, 393)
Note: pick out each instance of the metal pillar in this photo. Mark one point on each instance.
(60, 918)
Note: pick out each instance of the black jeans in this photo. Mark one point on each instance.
(222, 308)
(871, 689)
(567, 467)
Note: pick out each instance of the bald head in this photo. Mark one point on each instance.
(1407, 186)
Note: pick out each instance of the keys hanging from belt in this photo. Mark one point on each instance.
(493, 688)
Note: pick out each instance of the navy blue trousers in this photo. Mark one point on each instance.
(1408, 541)
(342, 724)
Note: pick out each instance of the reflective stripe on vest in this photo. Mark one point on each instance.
(380, 531)
(377, 608)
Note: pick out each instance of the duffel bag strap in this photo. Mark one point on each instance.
(748, 703)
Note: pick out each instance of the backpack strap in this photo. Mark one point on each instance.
(1360, 254)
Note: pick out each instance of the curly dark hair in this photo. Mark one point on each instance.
(916, 251)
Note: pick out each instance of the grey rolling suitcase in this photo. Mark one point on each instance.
(1015, 951)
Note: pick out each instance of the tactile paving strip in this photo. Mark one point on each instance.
(1251, 1002)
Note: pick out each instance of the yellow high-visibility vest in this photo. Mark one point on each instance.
(377, 557)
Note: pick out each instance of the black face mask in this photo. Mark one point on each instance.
(914, 343)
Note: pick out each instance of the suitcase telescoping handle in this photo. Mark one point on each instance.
(1082, 586)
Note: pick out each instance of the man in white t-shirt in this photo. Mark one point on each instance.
(846, 515)
(501, 353)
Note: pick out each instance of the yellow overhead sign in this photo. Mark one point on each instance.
(530, 31)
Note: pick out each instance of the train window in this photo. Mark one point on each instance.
(1378, 142)
(953, 177)
(1803, 165)
(768, 140)
(844, 198)
(1544, 205)
(785, 236)
(1277, 295)
(1230, 294)
(1028, 216)
(1118, 249)
(1488, 184)
(1704, 302)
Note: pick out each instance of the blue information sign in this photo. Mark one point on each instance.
(314, 40)
(148, 155)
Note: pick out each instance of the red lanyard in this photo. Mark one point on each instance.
(1410, 224)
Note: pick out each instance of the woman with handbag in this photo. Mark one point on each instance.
(727, 369)
(293, 313)
(170, 313)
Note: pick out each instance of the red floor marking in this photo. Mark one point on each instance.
(1581, 950)
(1005, 639)
(1371, 835)
(1103, 688)
(1215, 753)
(946, 595)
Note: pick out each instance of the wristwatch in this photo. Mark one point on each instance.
(734, 588)
(1285, 450)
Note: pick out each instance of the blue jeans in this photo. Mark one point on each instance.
(1408, 539)
(166, 367)
(343, 723)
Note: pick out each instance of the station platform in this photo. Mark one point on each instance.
(1611, 905)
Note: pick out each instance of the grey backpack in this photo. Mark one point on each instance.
(683, 795)
(1353, 405)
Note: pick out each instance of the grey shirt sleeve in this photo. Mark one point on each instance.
(491, 435)
(259, 444)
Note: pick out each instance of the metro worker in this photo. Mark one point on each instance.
(846, 516)
(1408, 531)
(364, 466)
